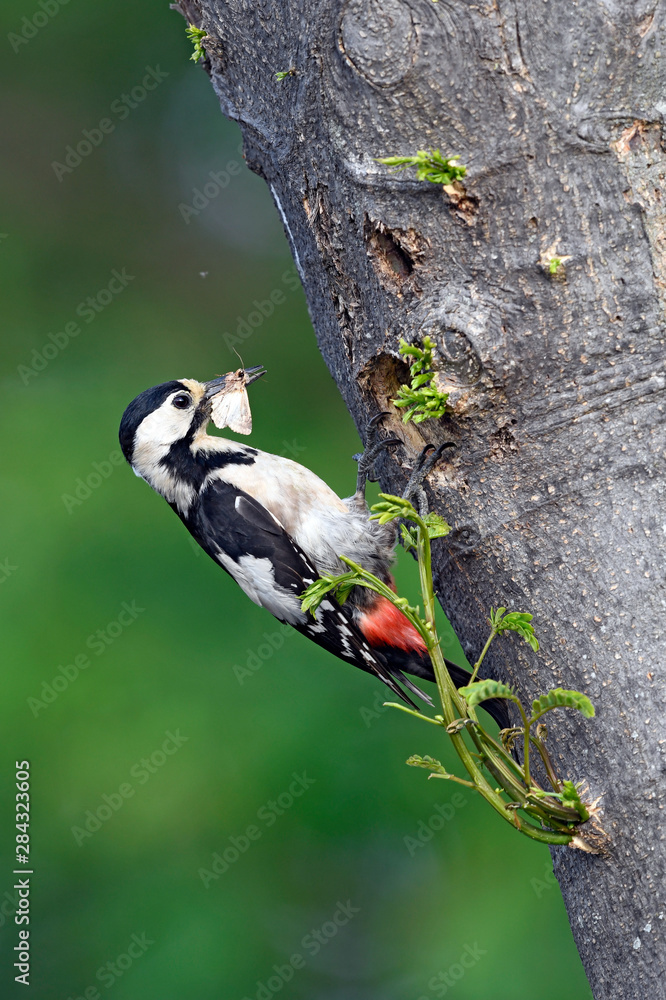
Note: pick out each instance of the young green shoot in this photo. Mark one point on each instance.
(196, 36)
(430, 166)
(422, 400)
(284, 73)
(550, 815)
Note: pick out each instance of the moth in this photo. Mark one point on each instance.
(232, 407)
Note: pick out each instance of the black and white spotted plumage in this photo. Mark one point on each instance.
(253, 547)
(275, 527)
(201, 476)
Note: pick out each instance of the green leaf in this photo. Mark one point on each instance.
(430, 165)
(389, 507)
(475, 693)
(436, 525)
(561, 698)
(496, 617)
(428, 762)
(395, 161)
(408, 349)
(345, 589)
(514, 621)
(572, 799)
(422, 400)
(409, 537)
(341, 586)
(196, 35)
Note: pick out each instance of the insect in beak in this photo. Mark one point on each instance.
(227, 395)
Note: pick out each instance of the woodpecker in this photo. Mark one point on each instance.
(275, 526)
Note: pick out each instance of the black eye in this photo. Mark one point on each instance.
(181, 402)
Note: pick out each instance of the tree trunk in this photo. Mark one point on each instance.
(556, 379)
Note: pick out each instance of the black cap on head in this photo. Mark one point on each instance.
(138, 409)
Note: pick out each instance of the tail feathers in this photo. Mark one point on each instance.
(398, 674)
(419, 665)
(390, 678)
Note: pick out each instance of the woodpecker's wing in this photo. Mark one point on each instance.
(242, 536)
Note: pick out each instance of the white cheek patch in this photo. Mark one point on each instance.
(163, 427)
(256, 578)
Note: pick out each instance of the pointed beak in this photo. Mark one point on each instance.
(214, 386)
(217, 384)
(252, 374)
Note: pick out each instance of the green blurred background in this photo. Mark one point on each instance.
(474, 889)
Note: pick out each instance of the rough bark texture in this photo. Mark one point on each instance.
(557, 381)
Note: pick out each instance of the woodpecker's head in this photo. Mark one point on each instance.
(163, 430)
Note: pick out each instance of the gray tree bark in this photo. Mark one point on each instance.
(555, 490)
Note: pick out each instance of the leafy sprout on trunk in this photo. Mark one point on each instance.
(554, 813)
(422, 400)
(196, 36)
(430, 166)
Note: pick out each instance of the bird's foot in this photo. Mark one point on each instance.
(426, 462)
(366, 459)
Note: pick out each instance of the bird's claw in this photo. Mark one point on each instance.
(373, 448)
(425, 463)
